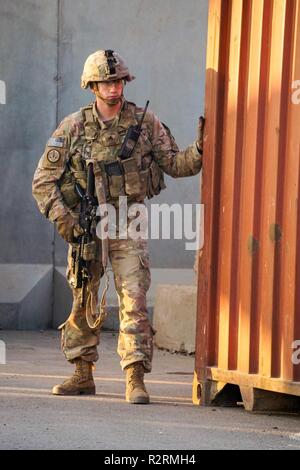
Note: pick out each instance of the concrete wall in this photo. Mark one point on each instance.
(164, 43)
(43, 47)
(28, 67)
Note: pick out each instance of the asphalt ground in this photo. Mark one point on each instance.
(31, 418)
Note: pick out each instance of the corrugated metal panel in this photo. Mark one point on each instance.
(249, 270)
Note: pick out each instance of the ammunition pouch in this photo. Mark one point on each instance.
(67, 189)
(132, 177)
(116, 186)
(89, 251)
(156, 180)
(124, 178)
(75, 173)
(115, 178)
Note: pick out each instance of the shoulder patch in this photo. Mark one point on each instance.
(56, 142)
(53, 155)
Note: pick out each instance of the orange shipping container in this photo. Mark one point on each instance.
(248, 320)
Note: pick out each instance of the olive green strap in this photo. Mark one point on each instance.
(96, 315)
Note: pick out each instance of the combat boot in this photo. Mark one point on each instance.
(81, 382)
(135, 388)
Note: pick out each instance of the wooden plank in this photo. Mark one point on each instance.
(205, 335)
(248, 185)
(269, 186)
(227, 183)
(254, 380)
(288, 287)
(255, 399)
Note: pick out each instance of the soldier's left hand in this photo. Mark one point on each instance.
(201, 125)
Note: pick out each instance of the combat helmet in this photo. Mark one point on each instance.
(104, 66)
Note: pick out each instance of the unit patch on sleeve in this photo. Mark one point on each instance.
(55, 153)
(53, 156)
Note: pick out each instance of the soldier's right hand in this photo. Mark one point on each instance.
(68, 228)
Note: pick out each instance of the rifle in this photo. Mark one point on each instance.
(85, 251)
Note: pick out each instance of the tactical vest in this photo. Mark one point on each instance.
(137, 177)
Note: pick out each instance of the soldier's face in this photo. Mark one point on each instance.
(110, 92)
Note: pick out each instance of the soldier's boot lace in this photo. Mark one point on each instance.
(135, 388)
(80, 383)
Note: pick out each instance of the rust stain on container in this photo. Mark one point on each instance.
(249, 271)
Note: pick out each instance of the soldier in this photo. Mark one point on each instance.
(96, 133)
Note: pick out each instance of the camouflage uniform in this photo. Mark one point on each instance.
(83, 136)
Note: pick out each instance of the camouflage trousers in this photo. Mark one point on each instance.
(130, 264)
